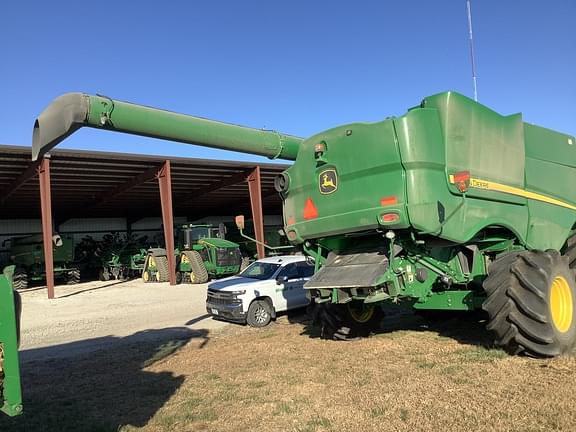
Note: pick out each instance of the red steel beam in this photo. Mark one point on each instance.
(46, 210)
(255, 189)
(220, 184)
(165, 184)
(142, 178)
(19, 181)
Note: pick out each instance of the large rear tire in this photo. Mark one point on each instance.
(346, 321)
(531, 303)
(199, 274)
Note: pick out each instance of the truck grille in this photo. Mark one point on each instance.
(228, 257)
(217, 297)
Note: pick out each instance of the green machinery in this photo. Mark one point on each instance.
(121, 257)
(202, 252)
(27, 254)
(450, 206)
(10, 390)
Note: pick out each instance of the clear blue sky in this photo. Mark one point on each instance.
(295, 66)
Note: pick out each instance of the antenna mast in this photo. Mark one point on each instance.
(471, 37)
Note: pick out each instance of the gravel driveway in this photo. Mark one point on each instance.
(93, 315)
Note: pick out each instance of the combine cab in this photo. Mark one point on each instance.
(10, 393)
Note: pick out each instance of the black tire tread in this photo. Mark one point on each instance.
(249, 315)
(162, 274)
(20, 279)
(517, 302)
(336, 323)
(73, 276)
(198, 267)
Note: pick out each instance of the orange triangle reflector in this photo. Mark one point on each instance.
(310, 210)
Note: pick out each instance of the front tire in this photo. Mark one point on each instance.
(531, 303)
(259, 313)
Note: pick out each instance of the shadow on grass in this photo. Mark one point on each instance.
(102, 390)
(468, 328)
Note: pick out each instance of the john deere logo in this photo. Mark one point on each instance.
(328, 181)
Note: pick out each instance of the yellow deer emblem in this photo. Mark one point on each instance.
(328, 181)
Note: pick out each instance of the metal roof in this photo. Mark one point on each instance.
(102, 184)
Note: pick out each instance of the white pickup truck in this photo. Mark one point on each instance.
(265, 287)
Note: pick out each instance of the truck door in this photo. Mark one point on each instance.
(289, 289)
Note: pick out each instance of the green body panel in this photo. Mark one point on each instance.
(435, 194)
(10, 389)
(368, 166)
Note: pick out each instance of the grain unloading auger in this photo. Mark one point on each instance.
(72, 111)
(450, 206)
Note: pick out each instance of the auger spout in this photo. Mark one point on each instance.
(71, 111)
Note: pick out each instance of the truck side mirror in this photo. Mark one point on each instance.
(239, 221)
(281, 279)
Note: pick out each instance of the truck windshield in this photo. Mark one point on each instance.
(260, 270)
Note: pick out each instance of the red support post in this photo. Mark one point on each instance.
(255, 188)
(46, 210)
(165, 184)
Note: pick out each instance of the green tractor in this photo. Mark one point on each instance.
(449, 207)
(27, 254)
(10, 307)
(202, 252)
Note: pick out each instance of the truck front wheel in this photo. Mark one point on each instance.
(259, 313)
(531, 303)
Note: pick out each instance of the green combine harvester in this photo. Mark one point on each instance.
(449, 207)
(10, 390)
(202, 252)
(27, 254)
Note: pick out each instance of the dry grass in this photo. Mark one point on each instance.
(281, 379)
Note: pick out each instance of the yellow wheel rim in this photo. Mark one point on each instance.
(151, 261)
(561, 305)
(146, 276)
(360, 314)
(192, 277)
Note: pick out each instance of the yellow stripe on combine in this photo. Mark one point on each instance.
(489, 185)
